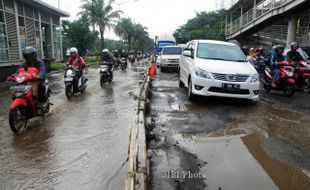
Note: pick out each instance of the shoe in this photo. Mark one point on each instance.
(273, 85)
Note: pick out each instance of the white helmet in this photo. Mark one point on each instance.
(105, 51)
(73, 50)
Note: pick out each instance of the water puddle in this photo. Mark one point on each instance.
(236, 160)
(187, 107)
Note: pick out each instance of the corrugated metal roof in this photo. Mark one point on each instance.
(46, 7)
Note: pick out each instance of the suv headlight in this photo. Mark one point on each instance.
(255, 78)
(203, 74)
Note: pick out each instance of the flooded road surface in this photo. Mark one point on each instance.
(82, 144)
(228, 144)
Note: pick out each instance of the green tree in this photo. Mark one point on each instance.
(101, 13)
(77, 34)
(206, 25)
(125, 30)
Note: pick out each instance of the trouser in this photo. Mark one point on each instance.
(276, 75)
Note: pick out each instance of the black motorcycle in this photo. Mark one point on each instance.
(116, 62)
(75, 81)
(123, 63)
(105, 75)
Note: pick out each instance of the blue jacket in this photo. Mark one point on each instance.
(40, 65)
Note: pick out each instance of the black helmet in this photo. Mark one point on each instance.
(30, 51)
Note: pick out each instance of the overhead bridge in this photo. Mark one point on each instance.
(278, 20)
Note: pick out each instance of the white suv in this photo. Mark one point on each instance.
(216, 68)
(170, 57)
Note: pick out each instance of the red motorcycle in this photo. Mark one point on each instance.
(23, 106)
(287, 80)
(302, 75)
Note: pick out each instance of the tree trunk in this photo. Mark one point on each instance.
(101, 42)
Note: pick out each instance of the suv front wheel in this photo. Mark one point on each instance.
(190, 94)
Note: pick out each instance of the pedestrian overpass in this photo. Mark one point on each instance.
(269, 21)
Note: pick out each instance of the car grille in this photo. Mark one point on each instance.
(229, 91)
(173, 60)
(231, 77)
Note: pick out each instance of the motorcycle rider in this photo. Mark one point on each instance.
(76, 61)
(277, 57)
(293, 54)
(31, 60)
(108, 59)
(124, 54)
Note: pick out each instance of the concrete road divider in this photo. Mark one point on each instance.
(137, 177)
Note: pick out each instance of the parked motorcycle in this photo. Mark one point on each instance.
(287, 80)
(24, 106)
(74, 81)
(123, 63)
(302, 75)
(105, 75)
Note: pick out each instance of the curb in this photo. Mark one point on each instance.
(137, 176)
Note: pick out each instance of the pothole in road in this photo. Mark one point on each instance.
(236, 160)
(187, 107)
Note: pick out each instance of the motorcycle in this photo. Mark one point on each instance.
(74, 83)
(302, 75)
(123, 63)
(105, 75)
(131, 59)
(287, 80)
(116, 63)
(24, 106)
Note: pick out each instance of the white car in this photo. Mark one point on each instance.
(170, 57)
(216, 68)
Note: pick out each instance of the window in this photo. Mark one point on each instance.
(220, 52)
(22, 32)
(4, 51)
(172, 51)
(56, 39)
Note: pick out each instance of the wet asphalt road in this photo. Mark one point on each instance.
(227, 144)
(82, 144)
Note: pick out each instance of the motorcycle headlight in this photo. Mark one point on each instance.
(202, 73)
(69, 73)
(255, 78)
(20, 79)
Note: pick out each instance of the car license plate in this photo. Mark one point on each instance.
(231, 86)
(68, 79)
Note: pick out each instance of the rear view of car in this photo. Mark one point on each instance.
(170, 58)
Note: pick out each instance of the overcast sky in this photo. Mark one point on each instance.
(159, 16)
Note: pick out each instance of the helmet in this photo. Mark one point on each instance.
(251, 49)
(105, 51)
(279, 47)
(29, 51)
(294, 44)
(73, 50)
(123, 51)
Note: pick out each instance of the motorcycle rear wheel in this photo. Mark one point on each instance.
(306, 85)
(18, 120)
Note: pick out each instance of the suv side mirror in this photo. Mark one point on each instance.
(188, 53)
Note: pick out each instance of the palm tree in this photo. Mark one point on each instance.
(125, 30)
(100, 13)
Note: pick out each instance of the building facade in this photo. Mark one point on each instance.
(29, 23)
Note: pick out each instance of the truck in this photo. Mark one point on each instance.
(164, 40)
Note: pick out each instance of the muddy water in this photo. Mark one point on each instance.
(235, 144)
(82, 144)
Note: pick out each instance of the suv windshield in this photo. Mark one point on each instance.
(220, 52)
(172, 50)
